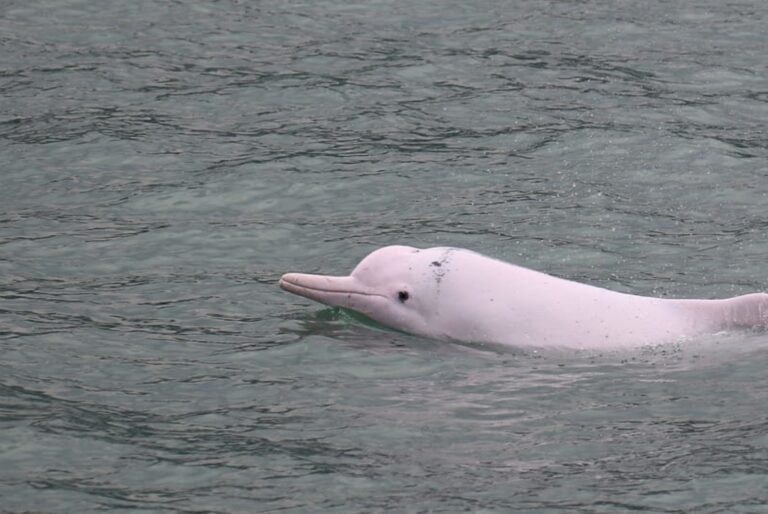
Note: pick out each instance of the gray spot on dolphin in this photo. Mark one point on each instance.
(444, 260)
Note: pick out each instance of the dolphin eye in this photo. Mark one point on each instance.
(403, 296)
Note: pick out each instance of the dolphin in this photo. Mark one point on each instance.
(458, 295)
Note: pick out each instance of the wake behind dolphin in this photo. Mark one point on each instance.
(454, 294)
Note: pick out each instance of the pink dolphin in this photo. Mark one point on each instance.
(459, 295)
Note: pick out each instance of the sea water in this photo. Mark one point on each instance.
(163, 163)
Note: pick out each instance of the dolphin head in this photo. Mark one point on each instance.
(393, 285)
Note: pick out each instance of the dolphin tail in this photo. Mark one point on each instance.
(747, 311)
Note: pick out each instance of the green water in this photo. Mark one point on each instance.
(163, 163)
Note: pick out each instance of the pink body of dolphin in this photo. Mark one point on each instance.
(459, 295)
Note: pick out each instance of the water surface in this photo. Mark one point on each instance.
(165, 162)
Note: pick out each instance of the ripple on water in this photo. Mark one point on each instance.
(164, 164)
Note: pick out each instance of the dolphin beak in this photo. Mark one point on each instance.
(334, 291)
